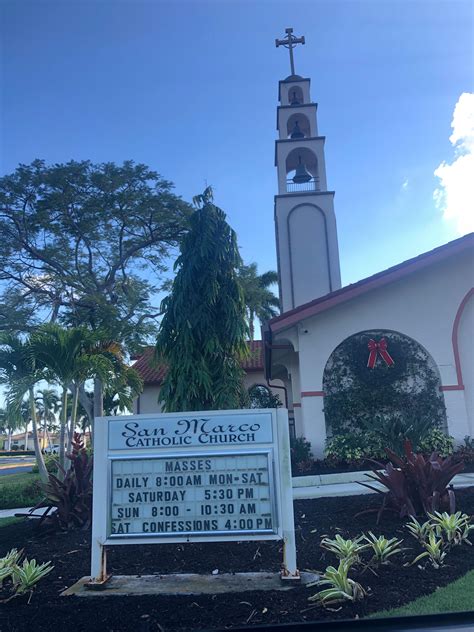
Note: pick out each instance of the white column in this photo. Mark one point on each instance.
(314, 424)
(456, 413)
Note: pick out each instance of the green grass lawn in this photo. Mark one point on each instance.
(19, 490)
(457, 597)
(4, 522)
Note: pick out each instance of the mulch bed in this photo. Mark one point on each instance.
(70, 554)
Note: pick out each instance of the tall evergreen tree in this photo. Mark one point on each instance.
(203, 332)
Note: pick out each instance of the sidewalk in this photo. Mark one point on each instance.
(9, 513)
(353, 489)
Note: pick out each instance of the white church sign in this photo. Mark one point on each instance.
(193, 477)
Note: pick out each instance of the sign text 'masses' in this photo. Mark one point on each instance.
(181, 431)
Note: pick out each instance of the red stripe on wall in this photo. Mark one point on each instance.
(312, 393)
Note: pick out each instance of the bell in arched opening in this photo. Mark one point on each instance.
(296, 131)
(294, 99)
(301, 173)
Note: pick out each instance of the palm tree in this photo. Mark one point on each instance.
(260, 300)
(73, 356)
(20, 372)
(47, 405)
(62, 353)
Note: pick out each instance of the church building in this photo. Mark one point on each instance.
(329, 339)
(398, 344)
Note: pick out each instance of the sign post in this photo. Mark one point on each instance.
(192, 477)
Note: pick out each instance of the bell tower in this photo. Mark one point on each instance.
(305, 223)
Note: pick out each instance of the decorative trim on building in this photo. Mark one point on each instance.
(452, 387)
(313, 394)
(296, 405)
(454, 338)
(290, 257)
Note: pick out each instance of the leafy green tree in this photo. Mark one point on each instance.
(260, 301)
(20, 372)
(260, 396)
(76, 239)
(202, 336)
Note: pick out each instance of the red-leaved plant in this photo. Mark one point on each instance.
(415, 485)
(70, 498)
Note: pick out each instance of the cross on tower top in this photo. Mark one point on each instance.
(290, 42)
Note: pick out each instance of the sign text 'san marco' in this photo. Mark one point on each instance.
(152, 433)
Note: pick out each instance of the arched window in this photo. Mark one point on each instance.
(297, 126)
(295, 96)
(302, 160)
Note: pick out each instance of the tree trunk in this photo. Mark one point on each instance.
(98, 402)
(62, 431)
(98, 398)
(10, 433)
(43, 472)
(72, 422)
(251, 325)
(26, 435)
(88, 406)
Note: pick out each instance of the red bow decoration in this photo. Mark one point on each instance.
(381, 348)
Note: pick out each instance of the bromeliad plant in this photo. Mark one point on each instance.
(10, 559)
(70, 498)
(382, 548)
(24, 577)
(418, 530)
(435, 550)
(439, 534)
(345, 550)
(341, 587)
(454, 527)
(415, 485)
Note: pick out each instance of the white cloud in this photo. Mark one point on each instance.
(405, 184)
(455, 194)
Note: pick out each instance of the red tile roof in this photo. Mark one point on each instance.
(291, 317)
(152, 373)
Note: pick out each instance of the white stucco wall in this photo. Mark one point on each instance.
(422, 306)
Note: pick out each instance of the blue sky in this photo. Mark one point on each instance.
(190, 88)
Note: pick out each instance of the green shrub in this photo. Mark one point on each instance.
(301, 456)
(437, 441)
(354, 446)
(19, 490)
(468, 442)
(51, 465)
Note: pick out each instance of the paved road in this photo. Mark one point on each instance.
(16, 464)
